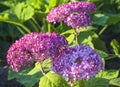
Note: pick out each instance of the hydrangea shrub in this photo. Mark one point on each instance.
(80, 62)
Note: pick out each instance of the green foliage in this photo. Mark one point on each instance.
(115, 82)
(29, 76)
(92, 39)
(109, 74)
(52, 79)
(113, 19)
(97, 82)
(94, 82)
(100, 19)
(18, 17)
(116, 47)
(23, 12)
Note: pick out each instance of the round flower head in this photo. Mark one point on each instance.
(49, 45)
(77, 20)
(20, 54)
(59, 13)
(75, 14)
(77, 63)
(34, 47)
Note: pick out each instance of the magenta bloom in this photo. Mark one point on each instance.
(49, 45)
(75, 14)
(34, 47)
(77, 63)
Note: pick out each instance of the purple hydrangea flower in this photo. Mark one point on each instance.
(75, 14)
(77, 20)
(34, 47)
(77, 63)
(49, 45)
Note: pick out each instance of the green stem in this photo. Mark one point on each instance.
(18, 24)
(36, 23)
(114, 56)
(103, 29)
(21, 31)
(41, 69)
(49, 27)
(34, 26)
(76, 36)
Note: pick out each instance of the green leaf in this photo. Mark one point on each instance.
(34, 70)
(80, 83)
(46, 65)
(115, 82)
(92, 39)
(113, 19)
(116, 46)
(71, 31)
(97, 82)
(52, 80)
(99, 44)
(109, 74)
(85, 34)
(52, 3)
(26, 76)
(100, 19)
(9, 17)
(24, 12)
(102, 54)
(70, 38)
(35, 3)
(88, 41)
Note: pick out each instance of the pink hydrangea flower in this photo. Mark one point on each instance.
(75, 14)
(34, 47)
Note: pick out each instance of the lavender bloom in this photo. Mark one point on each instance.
(59, 13)
(77, 20)
(49, 45)
(75, 14)
(77, 63)
(34, 47)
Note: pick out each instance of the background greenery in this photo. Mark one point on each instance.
(18, 17)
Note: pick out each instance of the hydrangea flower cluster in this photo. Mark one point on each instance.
(34, 47)
(75, 14)
(77, 63)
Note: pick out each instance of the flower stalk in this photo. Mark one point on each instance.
(76, 36)
(41, 69)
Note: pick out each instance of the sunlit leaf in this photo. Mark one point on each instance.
(115, 82)
(92, 39)
(52, 80)
(70, 38)
(102, 54)
(115, 45)
(23, 11)
(100, 19)
(97, 82)
(113, 19)
(26, 76)
(109, 74)
(71, 31)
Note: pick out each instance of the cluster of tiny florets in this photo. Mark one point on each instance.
(34, 47)
(77, 63)
(75, 14)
